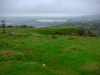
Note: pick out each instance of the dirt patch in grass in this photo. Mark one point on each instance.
(71, 48)
(66, 72)
(9, 53)
(91, 67)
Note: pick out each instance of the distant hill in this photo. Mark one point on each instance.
(90, 22)
(86, 18)
(91, 17)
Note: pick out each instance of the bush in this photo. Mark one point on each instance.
(81, 31)
(9, 26)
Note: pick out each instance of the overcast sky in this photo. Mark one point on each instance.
(49, 7)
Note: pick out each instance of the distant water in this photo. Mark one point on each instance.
(52, 20)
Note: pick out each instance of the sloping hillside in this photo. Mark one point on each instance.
(30, 51)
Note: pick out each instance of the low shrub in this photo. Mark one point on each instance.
(81, 31)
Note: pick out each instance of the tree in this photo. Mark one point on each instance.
(9, 26)
(24, 26)
(3, 26)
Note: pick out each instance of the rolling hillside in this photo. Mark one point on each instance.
(47, 51)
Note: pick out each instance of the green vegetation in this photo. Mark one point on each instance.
(48, 51)
(93, 25)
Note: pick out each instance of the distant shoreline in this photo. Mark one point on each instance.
(51, 20)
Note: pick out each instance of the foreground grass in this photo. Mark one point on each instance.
(25, 52)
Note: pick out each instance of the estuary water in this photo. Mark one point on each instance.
(52, 20)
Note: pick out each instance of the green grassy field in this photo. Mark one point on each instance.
(25, 52)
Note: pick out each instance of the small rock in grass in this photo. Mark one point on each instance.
(43, 65)
(5, 44)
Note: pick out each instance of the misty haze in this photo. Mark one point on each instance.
(49, 37)
(19, 12)
(16, 12)
(49, 7)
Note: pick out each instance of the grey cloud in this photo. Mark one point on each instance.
(49, 6)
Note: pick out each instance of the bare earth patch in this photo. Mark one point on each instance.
(91, 67)
(9, 53)
(71, 48)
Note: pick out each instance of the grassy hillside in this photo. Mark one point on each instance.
(32, 51)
